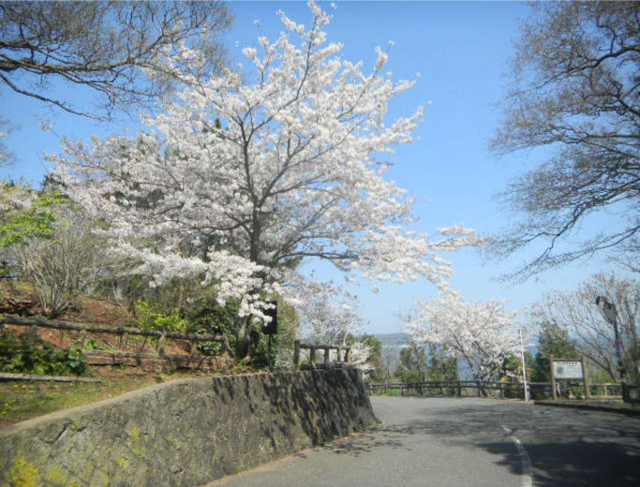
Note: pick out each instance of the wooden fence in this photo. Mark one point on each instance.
(537, 390)
(458, 388)
(339, 361)
(104, 357)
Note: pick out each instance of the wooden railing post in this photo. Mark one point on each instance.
(296, 353)
(225, 346)
(312, 356)
(327, 359)
(161, 345)
(123, 337)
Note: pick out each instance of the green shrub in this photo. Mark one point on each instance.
(207, 317)
(26, 353)
(149, 318)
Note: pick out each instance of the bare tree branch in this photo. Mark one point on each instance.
(129, 53)
(575, 94)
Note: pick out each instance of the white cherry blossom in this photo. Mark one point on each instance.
(482, 334)
(246, 176)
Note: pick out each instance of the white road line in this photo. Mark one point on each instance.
(525, 460)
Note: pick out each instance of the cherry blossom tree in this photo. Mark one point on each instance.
(248, 175)
(482, 334)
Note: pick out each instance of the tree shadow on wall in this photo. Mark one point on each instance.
(325, 405)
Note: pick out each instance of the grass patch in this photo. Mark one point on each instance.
(20, 401)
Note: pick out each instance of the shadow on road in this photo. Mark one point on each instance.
(579, 464)
(571, 448)
(376, 437)
(566, 448)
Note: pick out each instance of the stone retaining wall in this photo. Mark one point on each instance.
(186, 432)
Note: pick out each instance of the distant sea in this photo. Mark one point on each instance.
(392, 343)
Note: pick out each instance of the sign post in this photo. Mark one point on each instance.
(524, 369)
(554, 393)
(587, 388)
(567, 369)
(564, 369)
(271, 329)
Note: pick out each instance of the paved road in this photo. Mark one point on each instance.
(466, 442)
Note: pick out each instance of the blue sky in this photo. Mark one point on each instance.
(461, 50)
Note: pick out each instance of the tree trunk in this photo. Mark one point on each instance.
(243, 339)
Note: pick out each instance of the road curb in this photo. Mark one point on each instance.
(590, 407)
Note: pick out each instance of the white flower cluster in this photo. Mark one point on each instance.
(16, 198)
(242, 178)
(326, 313)
(482, 334)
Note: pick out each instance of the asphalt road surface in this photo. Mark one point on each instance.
(467, 442)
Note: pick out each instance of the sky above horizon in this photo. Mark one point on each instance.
(461, 50)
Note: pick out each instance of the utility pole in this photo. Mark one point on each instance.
(524, 368)
(609, 313)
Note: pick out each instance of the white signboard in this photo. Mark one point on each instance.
(567, 369)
